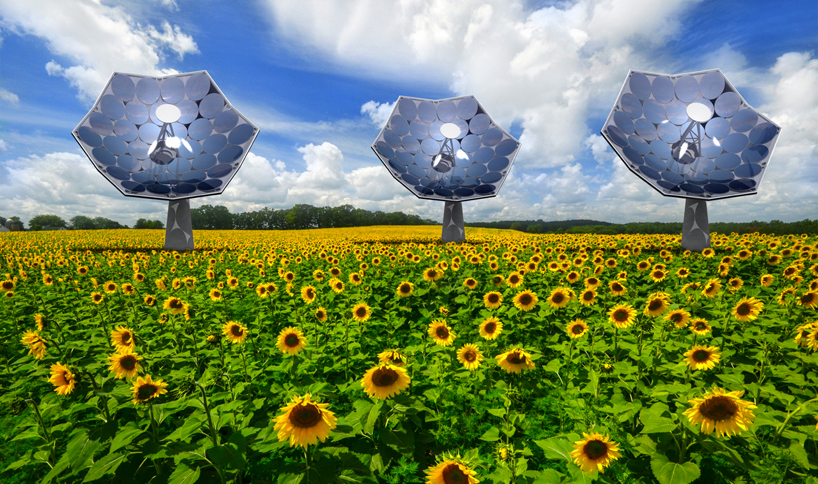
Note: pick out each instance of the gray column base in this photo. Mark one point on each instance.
(453, 228)
(179, 229)
(696, 229)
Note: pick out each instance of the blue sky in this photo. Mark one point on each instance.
(319, 79)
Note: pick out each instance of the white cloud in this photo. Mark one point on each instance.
(8, 96)
(377, 112)
(3, 145)
(97, 39)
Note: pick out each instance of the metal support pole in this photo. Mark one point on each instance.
(179, 229)
(696, 229)
(453, 228)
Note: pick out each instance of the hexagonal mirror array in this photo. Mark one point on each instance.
(690, 135)
(449, 149)
(165, 137)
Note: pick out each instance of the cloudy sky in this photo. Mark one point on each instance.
(319, 79)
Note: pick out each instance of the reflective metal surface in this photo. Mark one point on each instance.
(165, 138)
(690, 135)
(449, 149)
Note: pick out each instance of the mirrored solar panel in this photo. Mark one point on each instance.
(446, 149)
(690, 135)
(165, 138)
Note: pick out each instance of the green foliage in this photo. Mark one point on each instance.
(39, 221)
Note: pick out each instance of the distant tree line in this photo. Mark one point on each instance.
(774, 227)
(299, 217)
(302, 216)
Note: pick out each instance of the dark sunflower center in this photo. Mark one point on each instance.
(262, 289)
(442, 332)
(617, 287)
(808, 298)
(490, 328)
(470, 282)
(735, 283)
(494, 298)
(305, 416)
(588, 296)
(236, 330)
(516, 359)
(432, 273)
(320, 314)
(175, 304)
(676, 318)
(146, 391)
(577, 329)
(700, 326)
(621, 315)
(525, 299)
(701, 356)
(452, 474)
(719, 408)
(513, 279)
(743, 309)
(217, 294)
(595, 449)
(557, 298)
(655, 305)
(126, 337)
(291, 340)
(404, 288)
(67, 377)
(360, 312)
(469, 356)
(384, 377)
(127, 362)
(7, 286)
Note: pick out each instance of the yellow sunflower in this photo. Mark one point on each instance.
(735, 284)
(802, 333)
(699, 326)
(767, 280)
(149, 300)
(392, 357)
(384, 381)
(747, 309)
(594, 452)
(622, 316)
(432, 274)
(492, 299)
(122, 337)
(491, 328)
(525, 300)
(515, 361)
(683, 272)
(711, 288)
(440, 332)
(470, 283)
(361, 312)
(174, 305)
(7, 285)
(308, 294)
(235, 332)
(145, 389)
(617, 288)
(451, 471)
(721, 411)
(657, 275)
(470, 356)
(657, 304)
(587, 297)
(321, 314)
(809, 300)
(291, 340)
(110, 287)
(304, 422)
(576, 328)
(215, 295)
(702, 357)
(678, 317)
(337, 285)
(558, 298)
(405, 289)
(97, 297)
(514, 279)
(124, 363)
(62, 379)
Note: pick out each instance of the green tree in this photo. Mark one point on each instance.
(208, 217)
(148, 224)
(39, 221)
(81, 222)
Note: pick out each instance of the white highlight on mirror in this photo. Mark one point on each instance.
(699, 112)
(450, 130)
(168, 113)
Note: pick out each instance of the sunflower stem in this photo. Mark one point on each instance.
(244, 364)
(789, 417)
(97, 391)
(346, 349)
(212, 429)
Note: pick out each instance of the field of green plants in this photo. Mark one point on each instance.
(383, 356)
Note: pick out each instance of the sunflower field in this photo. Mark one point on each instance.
(380, 355)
